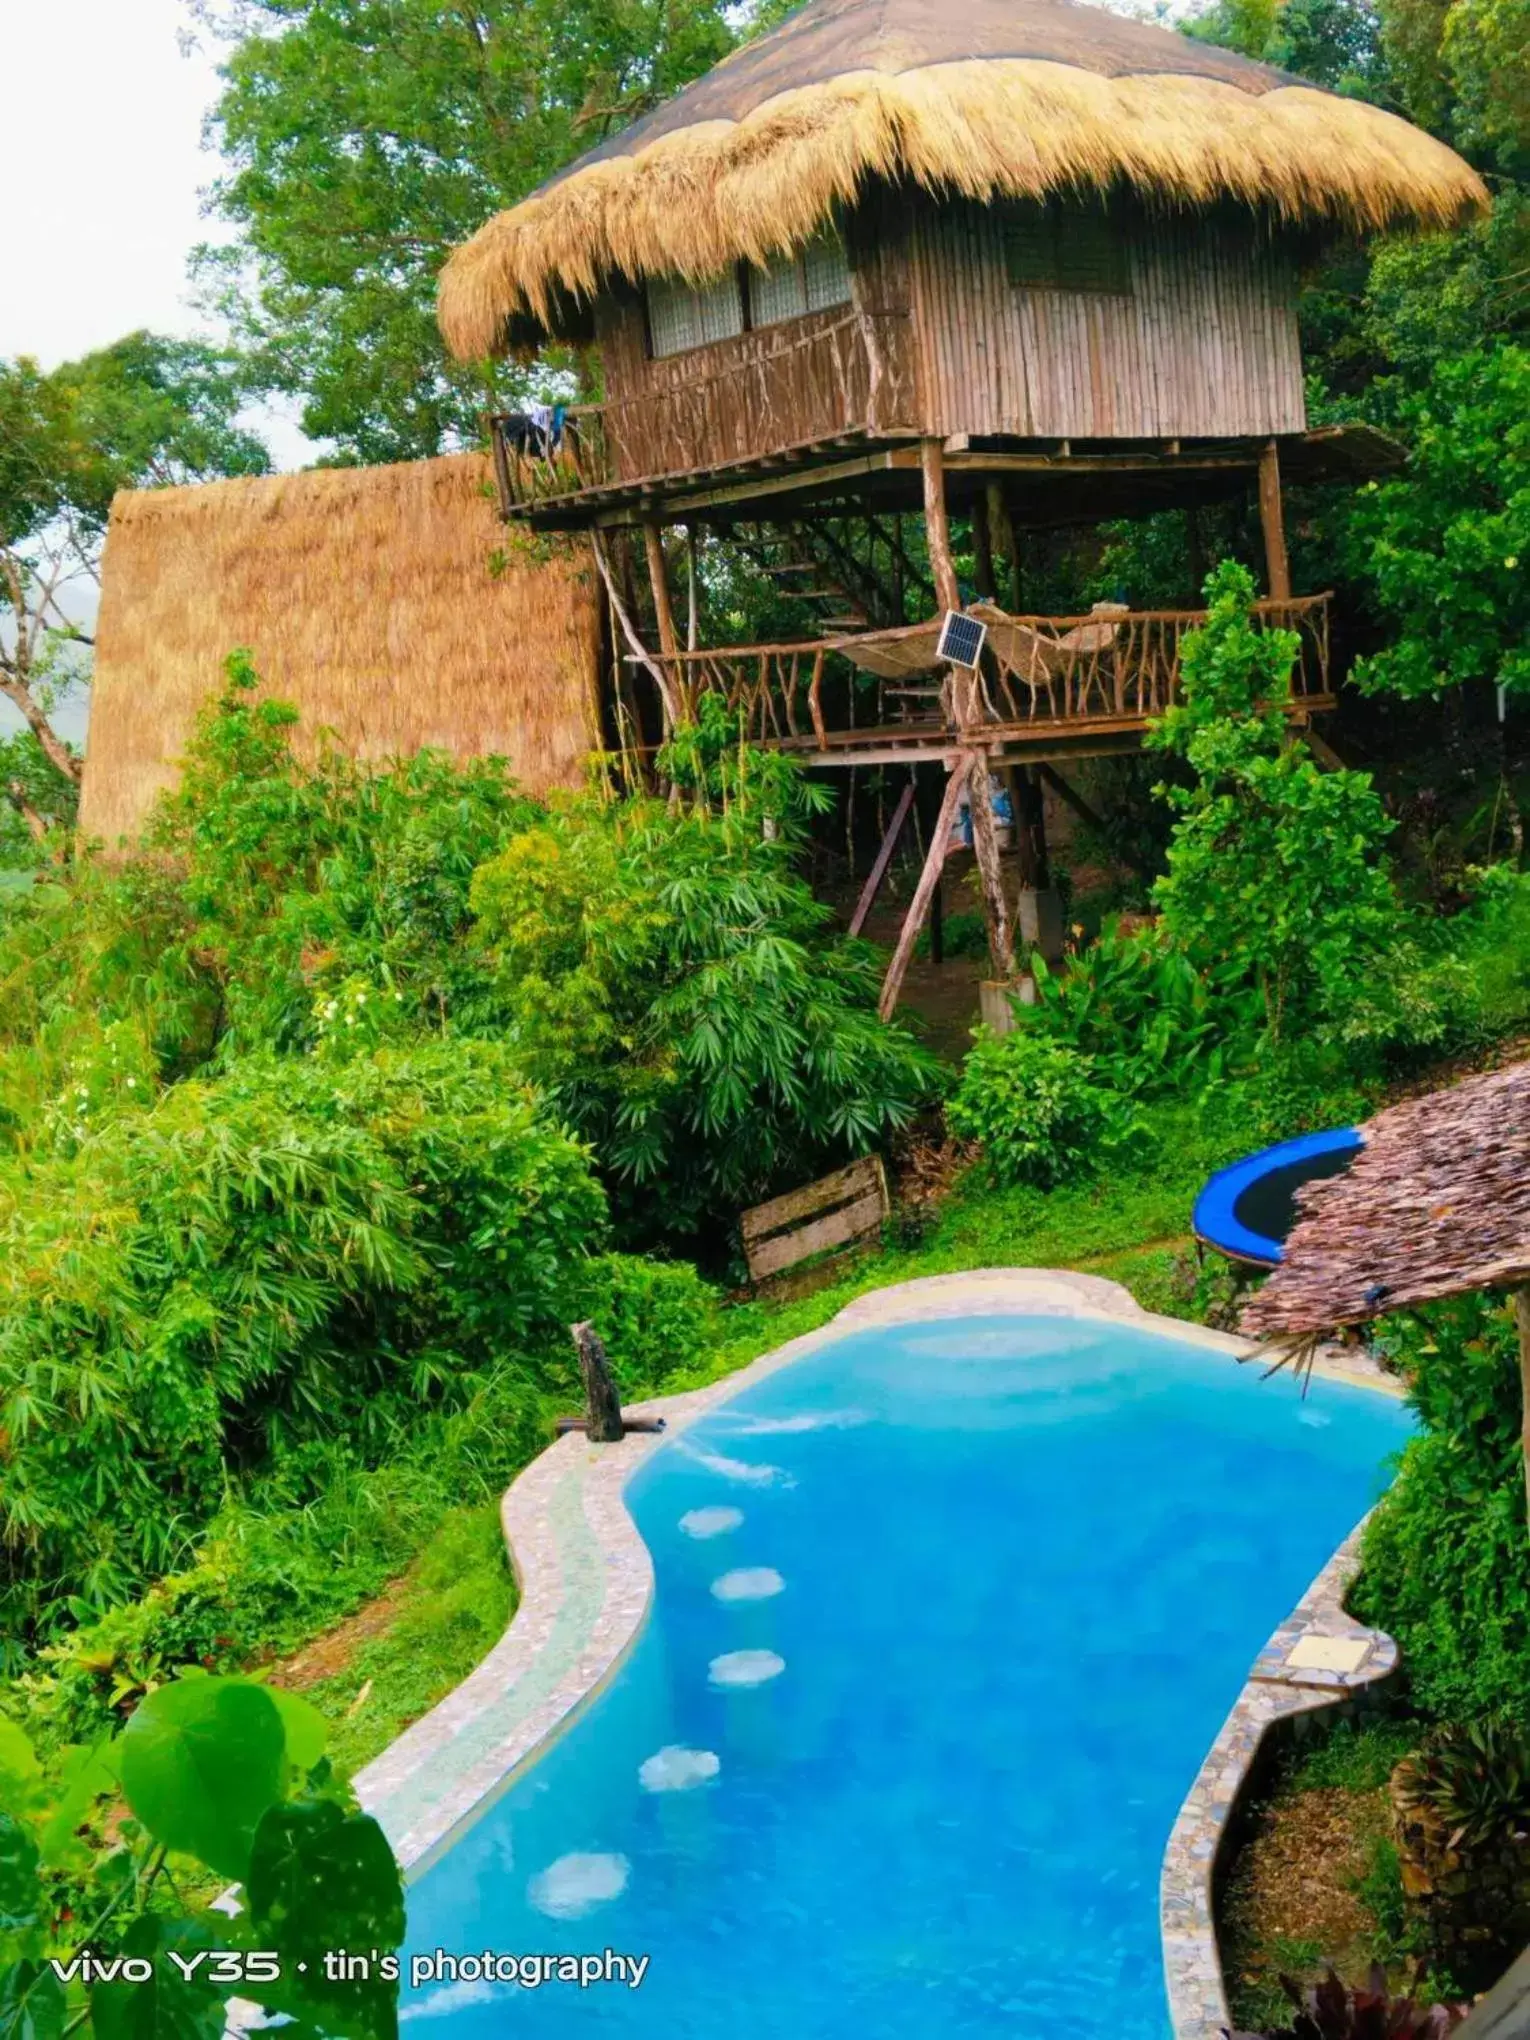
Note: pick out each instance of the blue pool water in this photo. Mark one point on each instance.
(947, 1616)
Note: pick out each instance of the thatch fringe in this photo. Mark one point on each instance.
(365, 596)
(700, 197)
(1435, 1203)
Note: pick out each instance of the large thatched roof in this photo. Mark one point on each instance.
(986, 98)
(365, 596)
(1436, 1202)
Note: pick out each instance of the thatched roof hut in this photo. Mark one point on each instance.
(365, 596)
(991, 99)
(1436, 1202)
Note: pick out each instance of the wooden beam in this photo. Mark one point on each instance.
(878, 872)
(653, 543)
(1271, 517)
(929, 878)
(937, 525)
(1030, 826)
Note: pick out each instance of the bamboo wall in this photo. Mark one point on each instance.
(365, 597)
(1204, 345)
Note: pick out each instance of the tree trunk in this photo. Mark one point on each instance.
(985, 844)
(603, 1410)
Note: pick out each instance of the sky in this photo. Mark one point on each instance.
(102, 138)
(101, 146)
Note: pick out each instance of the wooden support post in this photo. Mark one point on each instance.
(878, 872)
(982, 548)
(937, 524)
(1030, 828)
(603, 1411)
(692, 613)
(985, 844)
(1522, 1313)
(929, 878)
(1277, 566)
(653, 541)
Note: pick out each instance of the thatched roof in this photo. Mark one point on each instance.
(1437, 1201)
(365, 596)
(986, 98)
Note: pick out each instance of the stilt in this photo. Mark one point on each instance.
(1030, 828)
(929, 878)
(653, 543)
(692, 608)
(985, 844)
(1271, 517)
(962, 707)
(937, 524)
(878, 872)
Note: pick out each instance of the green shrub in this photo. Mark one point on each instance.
(1446, 1554)
(292, 1254)
(657, 1318)
(309, 1549)
(1275, 878)
(1037, 1107)
(668, 979)
(1151, 1023)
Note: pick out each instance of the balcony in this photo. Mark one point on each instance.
(787, 393)
(1049, 686)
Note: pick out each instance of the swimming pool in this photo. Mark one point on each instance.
(947, 1615)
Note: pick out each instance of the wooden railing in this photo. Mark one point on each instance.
(1039, 673)
(778, 390)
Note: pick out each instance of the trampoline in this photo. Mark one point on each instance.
(1247, 1210)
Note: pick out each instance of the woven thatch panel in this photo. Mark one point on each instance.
(987, 99)
(1436, 1202)
(365, 597)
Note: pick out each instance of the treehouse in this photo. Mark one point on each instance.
(1014, 265)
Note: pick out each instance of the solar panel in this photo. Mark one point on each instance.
(961, 639)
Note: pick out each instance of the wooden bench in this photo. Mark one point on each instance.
(836, 1211)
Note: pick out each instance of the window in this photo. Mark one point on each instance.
(811, 280)
(1065, 248)
(682, 316)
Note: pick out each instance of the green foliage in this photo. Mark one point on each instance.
(1446, 548)
(1038, 1108)
(227, 1777)
(1446, 1558)
(367, 140)
(1355, 1755)
(146, 410)
(1334, 2010)
(1275, 879)
(667, 979)
(657, 1318)
(287, 1253)
(1468, 1788)
(1149, 1021)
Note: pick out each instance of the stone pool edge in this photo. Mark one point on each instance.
(586, 1581)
